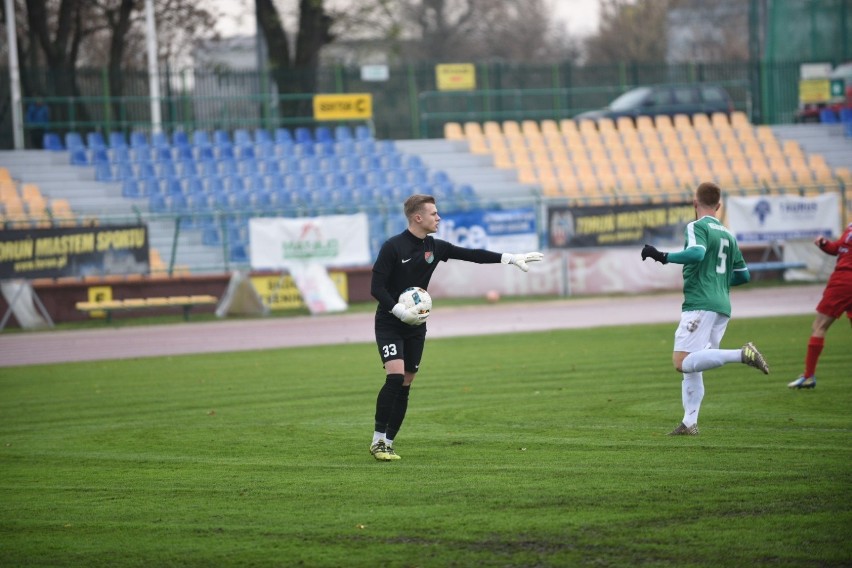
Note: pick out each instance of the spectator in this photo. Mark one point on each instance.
(37, 121)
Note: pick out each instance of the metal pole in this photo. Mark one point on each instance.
(14, 77)
(153, 73)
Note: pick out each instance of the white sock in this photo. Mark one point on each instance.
(710, 359)
(389, 442)
(692, 391)
(378, 436)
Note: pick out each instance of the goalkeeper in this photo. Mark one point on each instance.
(712, 263)
(405, 260)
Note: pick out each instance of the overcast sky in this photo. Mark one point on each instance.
(580, 16)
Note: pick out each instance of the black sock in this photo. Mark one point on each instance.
(386, 400)
(398, 413)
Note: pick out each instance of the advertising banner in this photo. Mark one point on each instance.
(343, 107)
(768, 218)
(618, 225)
(336, 240)
(619, 271)
(500, 231)
(73, 251)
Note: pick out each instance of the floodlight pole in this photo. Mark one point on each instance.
(14, 77)
(153, 71)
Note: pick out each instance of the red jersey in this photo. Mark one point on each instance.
(842, 249)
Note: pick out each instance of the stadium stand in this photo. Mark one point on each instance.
(649, 159)
(215, 181)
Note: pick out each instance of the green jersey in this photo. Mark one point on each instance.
(707, 284)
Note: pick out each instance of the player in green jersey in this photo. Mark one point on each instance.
(712, 263)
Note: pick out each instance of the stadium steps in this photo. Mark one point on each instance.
(464, 167)
(824, 139)
(88, 198)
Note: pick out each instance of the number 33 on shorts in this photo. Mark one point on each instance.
(389, 351)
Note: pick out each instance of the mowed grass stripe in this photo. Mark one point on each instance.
(541, 449)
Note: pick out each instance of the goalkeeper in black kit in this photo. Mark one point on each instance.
(408, 260)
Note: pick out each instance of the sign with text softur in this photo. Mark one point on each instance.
(74, 251)
(355, 106)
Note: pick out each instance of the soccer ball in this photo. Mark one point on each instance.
(418, 297)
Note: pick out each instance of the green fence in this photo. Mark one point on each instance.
(407, 105)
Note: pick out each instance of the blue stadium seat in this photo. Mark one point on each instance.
(180, 138)
(137, 154)
(116, 139)
(323, 134)
(201, 138)
(242, 137)
(95, 140)
(210, 235)
(130, 189)
(342, 133)
(74, 141)
(362, 132)
(283, 135)
(159, 139)
(103, 172)
(78, 157)
(221, 137)
(53, 142)
(156, 203)
(138, 139)
(304, 135)
(828, 116)
(846, 115)
(261, 136)
(238, 253)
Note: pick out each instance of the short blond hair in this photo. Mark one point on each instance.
(414, 204)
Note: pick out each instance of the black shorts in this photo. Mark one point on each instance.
(397, 340)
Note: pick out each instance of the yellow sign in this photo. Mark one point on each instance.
(814, 91)
(455, 76)
(98, 294)
(280, 293)
(343, 107)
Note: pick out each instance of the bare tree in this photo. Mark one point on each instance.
(630, 31)
(295, 71)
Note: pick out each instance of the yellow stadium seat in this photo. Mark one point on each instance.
(503, 160)
(530, 128)
(511, 128)
(644, 123)
(701, 122)
(492, 128)
(663, 123)
(588, 128)
(472, 130)
(549, 127)
(453, 131)
(568, 126)
(681, 122)
(478, 145)
(625, 124)
(719, 120)
(527, 174)
(740, 120)
(606, 125)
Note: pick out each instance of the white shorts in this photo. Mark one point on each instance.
(699, 330)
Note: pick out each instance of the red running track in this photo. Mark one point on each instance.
(42, 347)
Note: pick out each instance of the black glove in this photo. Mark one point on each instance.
(649, 251)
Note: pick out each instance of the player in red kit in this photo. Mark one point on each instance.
(836, 299)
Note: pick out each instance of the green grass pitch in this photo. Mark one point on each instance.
(539, 449)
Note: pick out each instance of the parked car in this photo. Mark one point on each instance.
(666, 100)
(811, 112)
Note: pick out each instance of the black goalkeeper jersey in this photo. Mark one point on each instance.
(406, 260)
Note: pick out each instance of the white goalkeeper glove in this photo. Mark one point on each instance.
(521, 260)
(409, 315)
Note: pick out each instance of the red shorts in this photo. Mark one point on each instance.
(837, 296)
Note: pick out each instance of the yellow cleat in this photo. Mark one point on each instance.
(753, 358)
(380, 451)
